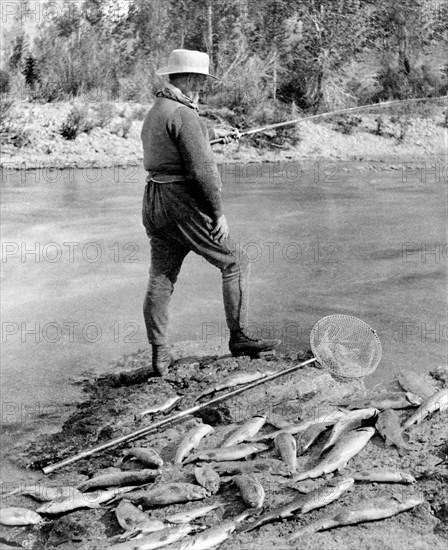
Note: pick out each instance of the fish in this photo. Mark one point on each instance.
(235, 452)
(170, 493)
(195, 513)
(157, 539)
(245, 432)
(277, 420)
(122, 479)
(392, 400)
(348, 446)
(15, 516)
(330, 417)
(138, 523)
(305, 503)
(310, 436)
(235, 380)
(284, 511)
(208, 478)
(286, 447)
(324, 495)
(383, 476)
(352, 420)
(81, 500)
(191, 441)
(164, 407)
(413, 382)
(146, 456)
(388, 425)
(44, 493)
(437, 402)
(370, 511)
(268, 466)
(133, 519)
(213, 536)
(251, 490)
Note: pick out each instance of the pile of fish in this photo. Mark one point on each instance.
(335, 436)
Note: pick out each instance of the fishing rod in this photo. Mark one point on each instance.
(331, 113)
(172, 418)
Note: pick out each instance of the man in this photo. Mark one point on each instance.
(182, 208)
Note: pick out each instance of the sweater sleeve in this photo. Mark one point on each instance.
(191, 137)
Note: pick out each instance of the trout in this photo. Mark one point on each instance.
(277, 420)
(251, 490)
(383, 476)
(305, 503)
(245, 432)
(164, 407)
(310, 436)
(346, 448)
(286, 447)
(352, 420)
(146, 456)
(211, 537)
(437, 402)
(208, 478)
(413, 382)
(158, 539)
(388, 425)
(394, 400)
(133, 519)
(191, 441)
(191, 515)
(171, 493)
(370, 511)
(228, 453)
(329, 417)
(15, 516)
(122, 479)
(235, 380)
(43, 493)
(81, 500)
(267, 465)
(324, 495)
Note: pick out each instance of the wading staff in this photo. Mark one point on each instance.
(172, 418)
(331, 113)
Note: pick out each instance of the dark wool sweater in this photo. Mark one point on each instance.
(176, 147)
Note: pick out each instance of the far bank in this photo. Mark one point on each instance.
(63, 135)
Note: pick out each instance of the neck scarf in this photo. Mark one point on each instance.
(172, 92)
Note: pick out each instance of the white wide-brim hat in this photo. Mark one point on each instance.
(187, 61)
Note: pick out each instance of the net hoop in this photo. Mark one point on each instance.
(346, 346)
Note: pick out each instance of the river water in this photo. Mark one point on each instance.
(322, 239)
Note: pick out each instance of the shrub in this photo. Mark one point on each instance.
(246, 93)
(126, 125)
(6, 105)
(105, 112)
(345, 124)
(5, 82)
(77, 122)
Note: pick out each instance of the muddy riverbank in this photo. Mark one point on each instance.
(112, 406)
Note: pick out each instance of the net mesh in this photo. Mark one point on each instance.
(346, 346)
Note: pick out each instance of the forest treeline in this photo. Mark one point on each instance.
(271, 55)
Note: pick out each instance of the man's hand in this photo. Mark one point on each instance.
(220, 231)
(227, 135)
